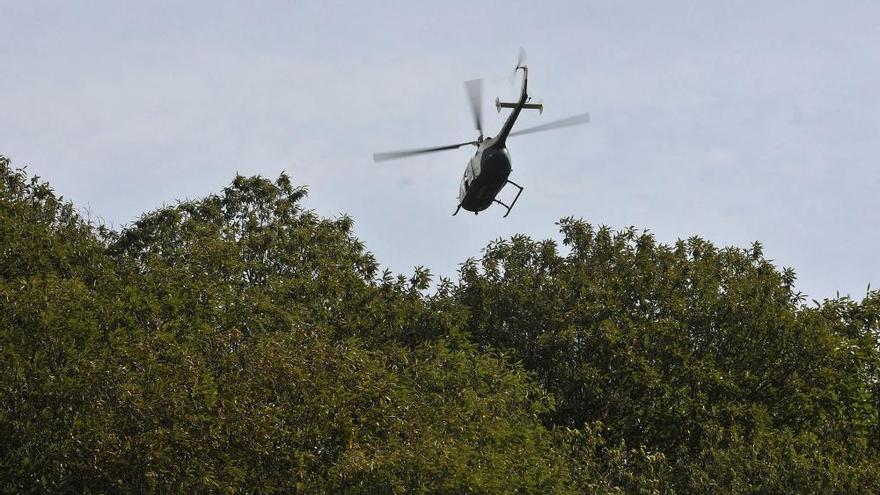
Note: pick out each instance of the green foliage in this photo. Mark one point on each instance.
(240, 343)
(703, 355)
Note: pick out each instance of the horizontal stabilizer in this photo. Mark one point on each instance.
(533, 106)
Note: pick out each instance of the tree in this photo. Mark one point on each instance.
(687, 350)
(240, 343)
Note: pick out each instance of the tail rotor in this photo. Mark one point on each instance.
(520, 64)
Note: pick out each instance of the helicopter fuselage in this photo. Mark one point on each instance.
(486, 174)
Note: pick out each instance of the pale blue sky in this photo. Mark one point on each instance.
(736, 121)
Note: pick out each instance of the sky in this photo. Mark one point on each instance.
(736, 121)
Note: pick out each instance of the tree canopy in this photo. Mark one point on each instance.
(242, 343)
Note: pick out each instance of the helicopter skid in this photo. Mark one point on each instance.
(514, 199)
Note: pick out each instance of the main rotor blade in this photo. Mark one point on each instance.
(475, 95)
(573, 120)
(393, 155)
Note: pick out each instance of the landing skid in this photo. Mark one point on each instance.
(514, 199)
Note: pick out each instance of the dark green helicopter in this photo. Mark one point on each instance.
(488, 171)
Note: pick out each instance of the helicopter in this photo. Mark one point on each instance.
(488, 170)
